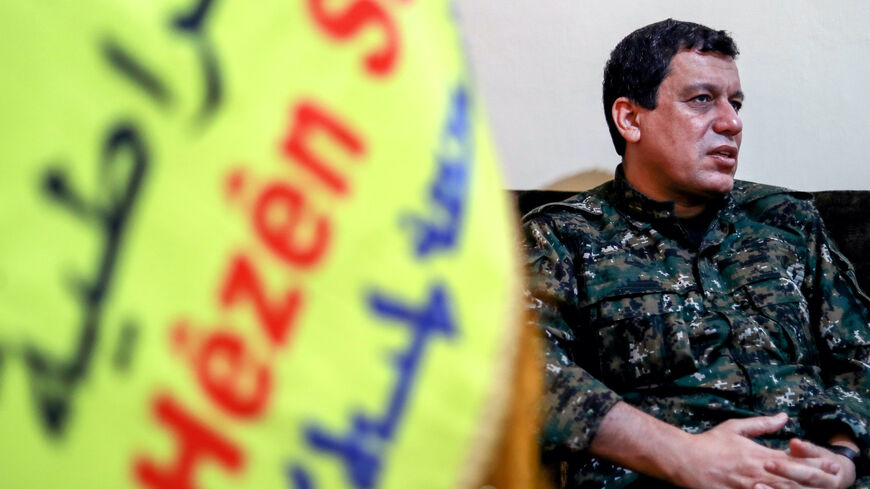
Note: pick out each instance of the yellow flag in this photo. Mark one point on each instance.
(247, 245)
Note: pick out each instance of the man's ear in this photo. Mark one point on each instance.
(624, 113)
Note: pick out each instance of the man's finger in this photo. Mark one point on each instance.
(803, 474)
(824, 464)
(760, 425)
(804, 449)
(808, 454)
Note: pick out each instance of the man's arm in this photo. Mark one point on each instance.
(575, 401)
(840, 314)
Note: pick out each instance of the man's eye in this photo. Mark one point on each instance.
(702, 98)
(737, 105)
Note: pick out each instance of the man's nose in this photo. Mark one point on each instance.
(728, 120)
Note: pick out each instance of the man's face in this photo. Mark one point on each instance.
(689, 143)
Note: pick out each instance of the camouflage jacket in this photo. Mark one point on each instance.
(766, 316)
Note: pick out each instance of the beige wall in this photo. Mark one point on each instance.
(804, 66)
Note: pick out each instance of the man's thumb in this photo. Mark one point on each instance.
(760, 425)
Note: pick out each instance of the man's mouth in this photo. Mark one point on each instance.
(725, 151)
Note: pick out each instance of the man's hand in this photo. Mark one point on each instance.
(724, 457)
(840, 470)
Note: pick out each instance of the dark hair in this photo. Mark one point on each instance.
(640, 62)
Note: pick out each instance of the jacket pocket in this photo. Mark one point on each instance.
(642, 340)
(783, 312)
(766, 282)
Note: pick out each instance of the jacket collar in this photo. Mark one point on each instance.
(635, 205)
(645, 212)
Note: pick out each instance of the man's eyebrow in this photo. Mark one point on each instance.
(709, 87)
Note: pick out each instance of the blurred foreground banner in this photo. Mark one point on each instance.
(247, 245)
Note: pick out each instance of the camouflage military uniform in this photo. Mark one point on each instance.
(764, 317)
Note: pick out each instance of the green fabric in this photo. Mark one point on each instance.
(765, 317)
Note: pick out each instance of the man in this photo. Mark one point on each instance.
(699, 331)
